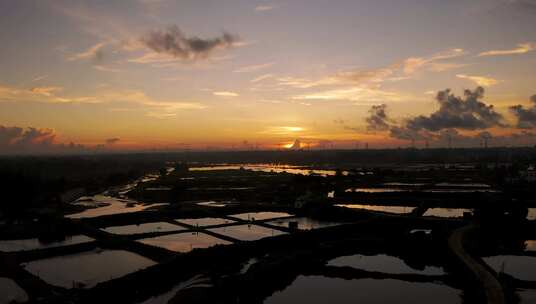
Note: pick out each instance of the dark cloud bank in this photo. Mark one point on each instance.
(172, 41)
(30, 141)
(456, 113)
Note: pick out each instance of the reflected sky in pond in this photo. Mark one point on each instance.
(520, 267)
(530, 245)
(304, 223)
(258, 216)
(532, 214)
(388, 209)
(34, 243)
(527, 296)
(382, 263)
(88, 268)
(446, 212)
(143, 228)
(205, 221)
(319, 289)
(10, 292)
(109, 205)
(271, 168)
(247, 232)
(184, 242)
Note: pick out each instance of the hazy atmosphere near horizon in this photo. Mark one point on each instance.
(82, 76)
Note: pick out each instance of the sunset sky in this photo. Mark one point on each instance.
(175, 74)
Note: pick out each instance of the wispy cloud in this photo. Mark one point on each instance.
(360, 95)
(413, 64)
(93, 53)
(261, 78)
(46, 91)
(282, 130)
(264, 8)
(479, 80)
(521, 48)
(253, 68)
(103, 68)
(132, 97)
(394, 72)
(226, 94)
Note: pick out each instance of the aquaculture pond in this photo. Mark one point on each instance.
(143, 228)
(321, 289)
(530, 245)
(87, 269)
(35, 243)
(382, 263)
(304, 223)
(106, 205)
(214, 204)
(520, 267)
(10, 292)
(184, 242)
(446, 212)
(197, 281)
(247, 232)
(259, 216)
(271, 168)
(388, 209)
(205, 221)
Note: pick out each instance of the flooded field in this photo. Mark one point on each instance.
(184, 242)
(10, 292)
(375, 190)
(205, 221)
(247, 232)
(259, 216)
(446, 212)
(34, 243)
(143, 228)
(532, 214)
(520, 267)
(107, 205)
(382, 263)
(527, 296)
(214, 204)
(320, 289)
(87, 269)
(197, 281)
(270, 168)
(388, 209)
(304, 223)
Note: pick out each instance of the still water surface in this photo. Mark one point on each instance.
(10, 292)
(143, 228)
(520, 267)
(304, 223)
(320, 289)
(184, 242)
(88, 268)
(247, 232)
(388, 209)
(205, 221)
(382, 263)
(446, 212)
(259, 216)
(34, 243)
(106, 205)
